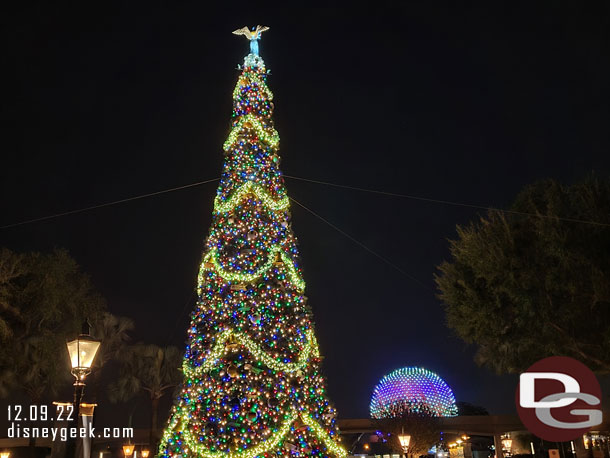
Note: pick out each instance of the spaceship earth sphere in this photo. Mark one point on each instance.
(412, 390)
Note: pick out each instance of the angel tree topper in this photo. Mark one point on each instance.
(253, 35)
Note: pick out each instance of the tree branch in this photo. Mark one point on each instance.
(577, 349)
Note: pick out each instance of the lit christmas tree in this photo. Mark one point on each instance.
(252, 384)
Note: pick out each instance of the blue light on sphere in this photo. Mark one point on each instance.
(412, 390)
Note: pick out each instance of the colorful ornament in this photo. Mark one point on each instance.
(233, 371)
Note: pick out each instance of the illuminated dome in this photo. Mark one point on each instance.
(415, 390)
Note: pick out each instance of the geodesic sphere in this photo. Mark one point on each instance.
(412, 390)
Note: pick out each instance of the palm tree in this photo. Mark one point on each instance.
(148, 369)
(113, 332)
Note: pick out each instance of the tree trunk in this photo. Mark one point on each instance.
(154, 404)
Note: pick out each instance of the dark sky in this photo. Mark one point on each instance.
(107, 100)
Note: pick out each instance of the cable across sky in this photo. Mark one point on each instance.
(309, 180)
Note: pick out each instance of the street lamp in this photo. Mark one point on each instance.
(145, 453)
(128, 449)
(5, 454)
(82, 351)
(404, 440)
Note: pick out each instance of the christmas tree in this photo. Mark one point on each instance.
(252, 383)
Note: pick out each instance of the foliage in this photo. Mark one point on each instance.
(521, 443)
(113, 331)
(148, 369)
(12, 267)
(466, 408)
(423, 427)
(45, 297)
(524, 287)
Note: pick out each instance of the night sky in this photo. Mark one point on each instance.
(108, 100)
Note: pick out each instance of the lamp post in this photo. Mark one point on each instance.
(404, 440)
(5, 454)
(145, 453)
(82, 351)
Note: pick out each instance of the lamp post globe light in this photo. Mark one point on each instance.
(405, 440)
(82, 351)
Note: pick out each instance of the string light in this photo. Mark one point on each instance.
(258, 191)
(271, 443)
(249, 122)
(311, 349)
(210, 261)
(252, 383)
